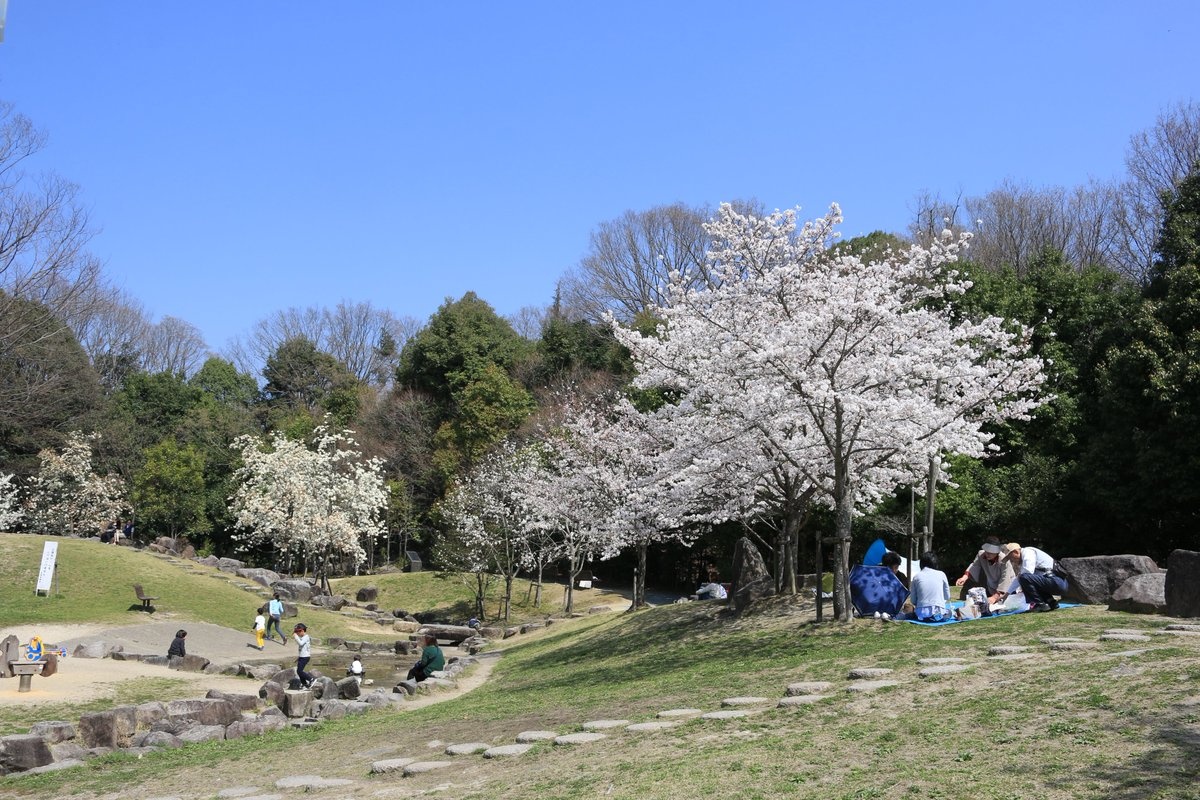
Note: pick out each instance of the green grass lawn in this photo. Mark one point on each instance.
(1120, 720)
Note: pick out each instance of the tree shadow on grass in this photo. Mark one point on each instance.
(1169, 769)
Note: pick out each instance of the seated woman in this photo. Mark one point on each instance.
(431, 660)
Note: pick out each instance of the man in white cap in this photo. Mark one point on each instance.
(988, 570)
(1036, 576)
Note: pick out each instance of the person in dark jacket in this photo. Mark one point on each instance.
(431, 660)
(177, 648)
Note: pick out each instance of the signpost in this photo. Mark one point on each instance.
(49, 570)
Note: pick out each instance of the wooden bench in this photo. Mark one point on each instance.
(146, 601)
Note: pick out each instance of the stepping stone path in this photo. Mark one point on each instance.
(651, 726)
(1059, 639)
(526, 737)
(731, 702)
(1073, 645)
(933, 662)
(507, 750)
(867, 687)
(580, 738)
(808, 687)
(467, 749)
(1129, 653)
(679, 712)
(1180, 630)
(1012, 657)
(1007, 650)
(390, 765)
(868, 673)
(943, 669)
(604, 724)
(730, 713)
(1124, 637)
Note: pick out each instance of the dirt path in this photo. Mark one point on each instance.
(80, 680)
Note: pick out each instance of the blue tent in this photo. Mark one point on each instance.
(876, 589)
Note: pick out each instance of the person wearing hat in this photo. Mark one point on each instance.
(300, 632)
(988, 570)
(1036, 576)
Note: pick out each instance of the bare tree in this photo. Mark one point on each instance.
(528, 321)
(630, 260)
(1157, 159)
(43, 234)
(173, 345)
(366, 339)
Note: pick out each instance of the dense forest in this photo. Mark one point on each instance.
(137, 419)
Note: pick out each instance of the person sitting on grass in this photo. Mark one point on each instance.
(892, 561)
(713, 590)
(432, 660)
(988, 570)
(930, 592)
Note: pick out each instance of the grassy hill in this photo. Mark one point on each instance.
(1114, 719)
(95, 585)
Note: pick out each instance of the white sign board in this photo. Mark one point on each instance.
(46, 573)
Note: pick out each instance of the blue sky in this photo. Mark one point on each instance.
(243, 157)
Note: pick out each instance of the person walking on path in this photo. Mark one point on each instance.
(302, 639)
(274, 615)
(1037, 576)
(260, 628)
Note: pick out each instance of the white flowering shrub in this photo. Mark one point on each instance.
(67, 496)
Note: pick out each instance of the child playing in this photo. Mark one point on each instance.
(260, 628)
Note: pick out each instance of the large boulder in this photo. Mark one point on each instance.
(54, 731)
(333, 602)
(229, 564)
(188, 663)
(751, 581)
(207, 711)
(1093, 579)
(455, 633)
(241, 702)
(367, 594)
(1141, 594)
(22, 752)
(297, 591)
(1182, 589)
(112, 728)
(259, 575)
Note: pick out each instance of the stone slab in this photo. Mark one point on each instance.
(1007, 650)
(579, 738)
(651, 726)
(390, 765)
(604, 724)
(1124, 637)
(1012, 657)
(1068, 646)
(526, 737)
(868, 673)
(505, 750)
(421, 767)
(933, 662)
(671, 713)
(943, 669)
(466, 749)
(733, 702)
(729, 713)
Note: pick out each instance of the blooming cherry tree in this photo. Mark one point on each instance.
(490, 520)
(315, 502)
(67, 496)
(10, 512)
(842, 375)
